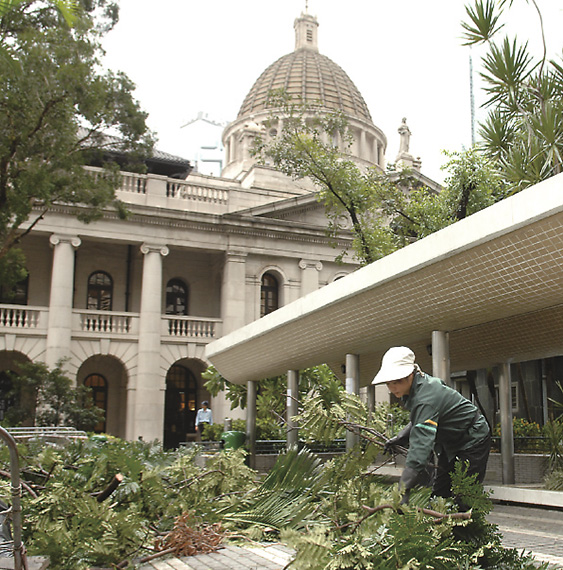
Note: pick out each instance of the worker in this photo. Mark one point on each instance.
(441, 421)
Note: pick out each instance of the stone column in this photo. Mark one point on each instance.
(59, 327)
(309, 275)
(362, 150)
(145, 412)
(441, 356)
(352, 387)
(251, 422)
(292, 406)
(371, 398)
(506, 427)
(233, 291)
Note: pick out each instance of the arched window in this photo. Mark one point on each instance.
(269, 297)
(176, 297)
(15, 295)
(180, 405)
(99, 387)
(100, 291)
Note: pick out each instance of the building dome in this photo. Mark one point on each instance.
(307, 76)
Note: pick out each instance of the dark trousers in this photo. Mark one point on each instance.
(200, 429)
(477, 456)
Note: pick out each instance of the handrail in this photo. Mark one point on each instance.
(20, 561)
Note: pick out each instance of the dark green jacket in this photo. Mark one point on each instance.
(442, 420)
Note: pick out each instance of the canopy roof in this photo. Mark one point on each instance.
(494, 281)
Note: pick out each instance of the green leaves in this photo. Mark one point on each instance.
(484, 22)
(56, 108)
(523, 132)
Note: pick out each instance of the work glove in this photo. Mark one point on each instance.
(409, 479)
(402, 439)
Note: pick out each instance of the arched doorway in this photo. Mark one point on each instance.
(180, 405)
(99, 387)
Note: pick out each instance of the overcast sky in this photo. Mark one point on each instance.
(405, 57)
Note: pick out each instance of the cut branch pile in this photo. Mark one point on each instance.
(189, 538)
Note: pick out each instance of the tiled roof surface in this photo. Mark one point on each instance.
(311, 77)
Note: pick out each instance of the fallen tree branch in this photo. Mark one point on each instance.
(22, 483)
(438, 517)
(114, 483)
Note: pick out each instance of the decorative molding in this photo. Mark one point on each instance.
(56, 239)
(310, 264)
(153, 248)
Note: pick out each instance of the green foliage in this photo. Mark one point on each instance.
(67, 523)
(56, 109)
(553, 431)
(317, 509)
(386, 210)
(522, 428)
(523, 132)
(271, 398)
(47, 397)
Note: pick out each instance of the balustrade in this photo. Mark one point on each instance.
(150, 184)
(18, 317)
(106, 322)
(190, 327)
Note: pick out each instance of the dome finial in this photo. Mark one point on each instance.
(306, 31)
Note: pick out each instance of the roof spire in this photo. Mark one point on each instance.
(306, 31)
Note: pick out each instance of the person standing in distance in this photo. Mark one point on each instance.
(441, 420)
(204, 416)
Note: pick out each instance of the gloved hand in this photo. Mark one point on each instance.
(402, 439)
(409, 479)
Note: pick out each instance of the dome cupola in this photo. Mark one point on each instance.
(306, 76)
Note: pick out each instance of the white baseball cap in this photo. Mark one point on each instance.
(397, 363)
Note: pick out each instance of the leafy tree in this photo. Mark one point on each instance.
(56, 110)
(67, 8)
(387, 210)
(47, 398)
(523, 132)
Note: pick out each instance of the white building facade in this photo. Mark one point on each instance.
(129, 305)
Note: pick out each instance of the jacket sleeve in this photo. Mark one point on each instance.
(422, 437)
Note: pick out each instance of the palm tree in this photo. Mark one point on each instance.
(523, 131)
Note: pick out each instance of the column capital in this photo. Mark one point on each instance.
(237, 256)
(56, 239)
(154, 248)
(310, 264)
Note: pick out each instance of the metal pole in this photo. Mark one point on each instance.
(251, 421)
(292, 406)
(352, 387)
(16, 510)
(441, 356)
(506, 429)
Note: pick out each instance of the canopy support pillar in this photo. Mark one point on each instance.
(352, 387)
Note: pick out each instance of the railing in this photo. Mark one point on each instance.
(46, 432)
(524, 444)
(135, 183)
(107, 322)
(275, 446)
(188, 191)
(154, 186)
(191, 327)
(19, 317)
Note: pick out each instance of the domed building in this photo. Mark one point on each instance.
(130, 305)
(309, 77)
